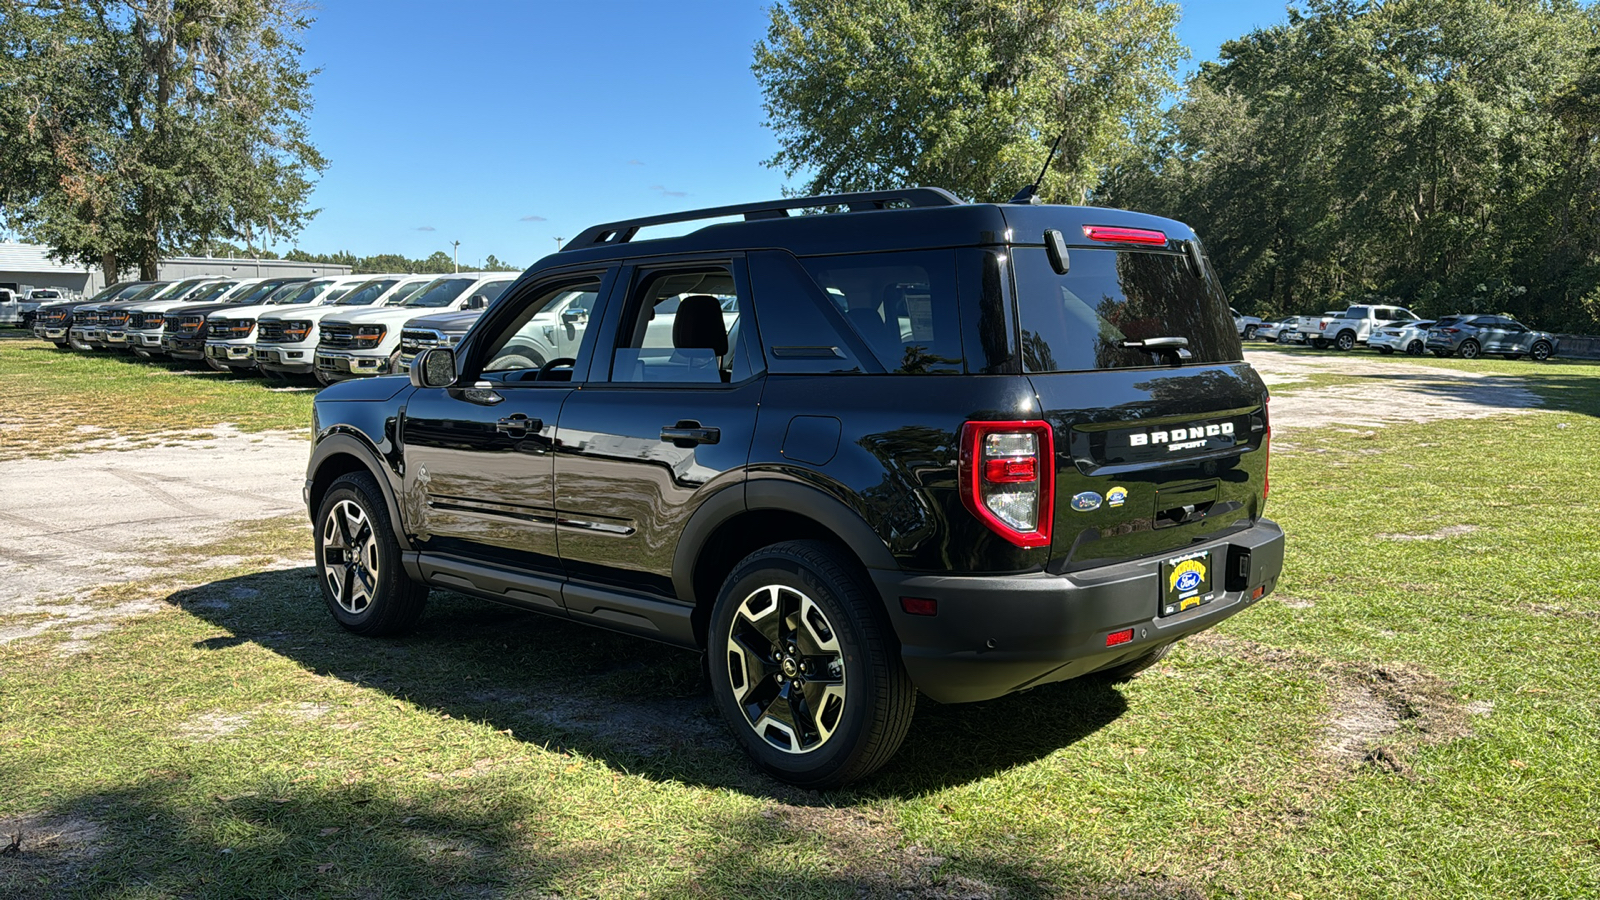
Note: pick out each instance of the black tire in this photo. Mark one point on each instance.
(79, 345)
(842, 660)
(1469, 349)
(323, 378)
(1250, 332)
(1414, 348)
(1283, 337)
(1441, 353)
(363, 582)
(216, 365)
(1126, 670)
(1513, 356)
(1541, 350)
(1346, 340)
(1319, 343)
(273, 375)
(394, 363)
(1384, 351)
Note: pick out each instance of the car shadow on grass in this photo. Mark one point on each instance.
(161, 836)
(643, 707)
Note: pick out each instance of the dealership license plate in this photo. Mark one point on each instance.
(1186, 582)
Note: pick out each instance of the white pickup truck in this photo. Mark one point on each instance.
(1355, 325)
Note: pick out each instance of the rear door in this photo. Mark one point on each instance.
(1152, 453)
(664, 421)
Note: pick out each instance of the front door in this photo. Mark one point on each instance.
(663, 422)
(479, 464)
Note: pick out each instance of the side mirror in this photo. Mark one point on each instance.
(574, 315)
(476, 301)
(434, 368)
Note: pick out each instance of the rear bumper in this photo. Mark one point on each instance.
(1001, 633)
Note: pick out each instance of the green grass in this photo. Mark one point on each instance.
(1438, 605)
(62, 401)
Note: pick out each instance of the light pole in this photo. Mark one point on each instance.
(454, 246)
(558, 245)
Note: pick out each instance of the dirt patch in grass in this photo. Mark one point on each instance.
(869, 853)
(1378, 713)
(1319, 392)
(41, 848)
(1448, 531)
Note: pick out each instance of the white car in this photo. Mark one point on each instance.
(231, 333)
(1356, 324)
(125, 325)
(19, 309)
(1410, 338)
(367, 342)
(1275, 330)
(1246, 325)
(286, 339)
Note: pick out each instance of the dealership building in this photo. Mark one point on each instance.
(24, 266)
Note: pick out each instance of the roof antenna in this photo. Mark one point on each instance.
(1030, 194)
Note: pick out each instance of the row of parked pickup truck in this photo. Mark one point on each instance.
(1395, 329)
(333, 327)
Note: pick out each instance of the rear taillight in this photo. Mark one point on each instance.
(1008, 478)
(1451, 330)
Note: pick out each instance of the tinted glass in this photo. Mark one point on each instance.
(530, 340)
(141, 293)
(364, 294)
(285, 293)
(404, 291)
(210, 292)
(439, 293)
(1080, 321)
(682, 328)
(901, 305)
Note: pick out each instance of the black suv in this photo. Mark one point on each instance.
(898, 443)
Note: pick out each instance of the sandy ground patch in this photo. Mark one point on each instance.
(1396, 392)
(74, 523)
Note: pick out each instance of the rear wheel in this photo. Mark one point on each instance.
(1469, 349)
(358, 561)
(1319, 343)
(1441, 353)
(1283, 337)
(1541, 350)
(802, 669)
(1414, 348)
(1384, 351)
(1345, 341)
(1250, 332)
(1513, 356)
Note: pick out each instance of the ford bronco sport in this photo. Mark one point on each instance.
(961, 449)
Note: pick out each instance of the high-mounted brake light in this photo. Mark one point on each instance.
(1008, 478)
(1125, 235)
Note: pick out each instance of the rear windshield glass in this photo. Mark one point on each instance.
(1081, 320)
(439, 293)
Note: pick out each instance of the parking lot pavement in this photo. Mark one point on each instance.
(74, 523)
(1388, 392)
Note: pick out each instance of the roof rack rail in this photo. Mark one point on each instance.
(622, 232)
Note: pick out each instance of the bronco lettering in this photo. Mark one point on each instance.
(1181, 436)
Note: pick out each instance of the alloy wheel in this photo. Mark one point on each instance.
(350, 556)
(786, 669)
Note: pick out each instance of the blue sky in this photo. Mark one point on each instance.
(506, 124)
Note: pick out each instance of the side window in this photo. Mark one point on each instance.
(1357, 312)
(536, 336)
(901, 305)
(491, 291)
(681, 327)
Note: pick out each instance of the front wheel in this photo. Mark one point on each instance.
(1384, 351)
(1469, 350)
(1541, 350)
(1414, 348)
(1250, 332)
(801, 666)
(1319, 343)
(358, 561)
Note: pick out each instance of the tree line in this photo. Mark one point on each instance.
(437, 263)
(1439, 154)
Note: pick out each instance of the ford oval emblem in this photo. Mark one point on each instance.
(1188, 581)
(1086, 501)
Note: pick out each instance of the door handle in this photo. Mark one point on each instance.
(518, 425)
(688, 432)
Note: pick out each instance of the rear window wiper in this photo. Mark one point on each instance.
(1175, 347)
